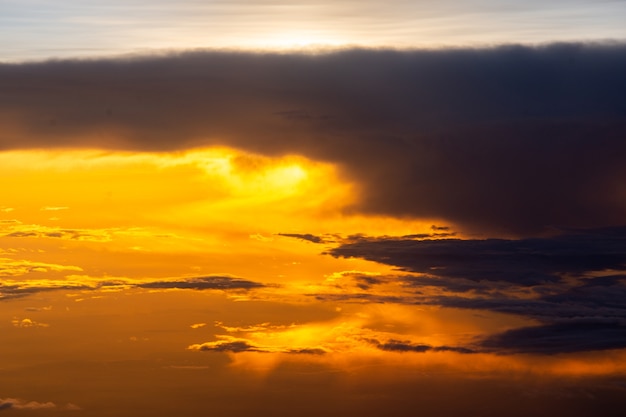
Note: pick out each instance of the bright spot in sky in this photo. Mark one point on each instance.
(297, 39)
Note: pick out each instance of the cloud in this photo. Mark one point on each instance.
(203, 283)
(13, 268)
(577, 335)
(530, 261)
(580, 301)
(235, 345)
(94, 235)
(18, 289)
(307, 236)
(24, 289)
(18, 404)
(27, 323)
(53, 208)
(572, 283)
(510, 139)
(393, 345)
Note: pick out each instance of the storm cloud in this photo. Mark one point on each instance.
(510, 139)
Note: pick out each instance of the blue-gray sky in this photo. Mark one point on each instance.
(40, 29)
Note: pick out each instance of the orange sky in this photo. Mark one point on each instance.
(100, 244)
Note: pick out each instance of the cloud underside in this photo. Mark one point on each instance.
(509, 139)
(572, 283)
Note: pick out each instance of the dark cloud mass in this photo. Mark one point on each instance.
(528, 261)
(573, 284)
(510, 139)
(564, 337)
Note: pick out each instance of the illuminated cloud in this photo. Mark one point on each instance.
(14, 268)
(510, 139)
(54, 208)
(39, 231)
(27, 323)
(19, 404)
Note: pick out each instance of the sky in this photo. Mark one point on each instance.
(409, 208)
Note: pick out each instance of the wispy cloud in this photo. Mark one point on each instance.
(15, 268)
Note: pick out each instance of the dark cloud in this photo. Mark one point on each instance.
(560, 281)
(22, 234)
(366, 282)
(11, 291)
(564, 337)
(237, 346)
(308, 237)
(18, 290)
(508, 139)
(204, 283)
(529, 261)
(365, 298)
(405, 346)
(60, 233)
(306, 351)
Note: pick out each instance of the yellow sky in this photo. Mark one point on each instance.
(179, 214)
